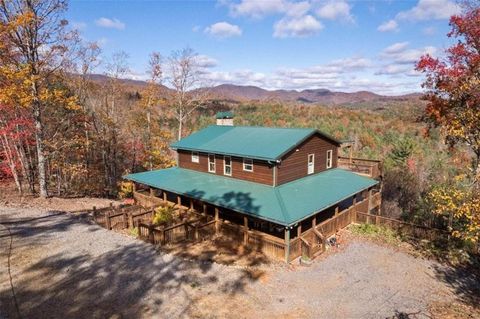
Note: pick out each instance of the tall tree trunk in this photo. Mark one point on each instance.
(11, 162)
(149, 137)
(37, 118)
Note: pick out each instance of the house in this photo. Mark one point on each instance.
(276, 184)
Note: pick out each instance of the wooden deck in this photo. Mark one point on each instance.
(309, 243)
(365, 167)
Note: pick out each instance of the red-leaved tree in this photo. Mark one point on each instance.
(453, 86)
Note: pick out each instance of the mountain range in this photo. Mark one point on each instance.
(240, 93)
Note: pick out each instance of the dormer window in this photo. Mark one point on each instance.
(248, 165)
(329, 158)
(195, 157)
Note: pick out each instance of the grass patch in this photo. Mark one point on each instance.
(375, 232)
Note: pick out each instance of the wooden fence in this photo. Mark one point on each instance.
(402, 227)
(372, 168)
(121, 217)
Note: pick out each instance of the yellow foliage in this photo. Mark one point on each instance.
(126, 190)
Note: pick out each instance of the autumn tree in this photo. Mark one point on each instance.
(35, 41)
(185, 79)
(453, 86)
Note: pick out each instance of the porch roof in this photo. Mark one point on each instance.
(286, 204)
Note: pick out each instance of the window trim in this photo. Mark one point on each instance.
(329, 159)
(244, 164)
(195, 157)
(214, 163)
(225, 165)
(313, 163)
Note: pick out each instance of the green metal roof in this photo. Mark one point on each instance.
(266, 143)
(286, 204)
(224, 115)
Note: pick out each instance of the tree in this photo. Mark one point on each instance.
(35, 40)
(453, 86)
(185, 79)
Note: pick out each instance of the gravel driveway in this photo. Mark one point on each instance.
(62, 266)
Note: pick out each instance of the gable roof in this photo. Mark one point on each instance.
(286, 204)
(265, 143)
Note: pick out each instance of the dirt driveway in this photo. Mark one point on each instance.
(62, 266)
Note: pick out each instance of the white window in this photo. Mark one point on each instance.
(195, 157)
(311, 163)
(211, 163)
(248, 164)
(329, 159)
(227, 165)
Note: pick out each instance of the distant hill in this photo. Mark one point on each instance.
(311, 96)
(239, 93)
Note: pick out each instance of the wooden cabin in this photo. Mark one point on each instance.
(281, 187)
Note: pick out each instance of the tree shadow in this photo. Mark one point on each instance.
(464, 279)
(133, 280)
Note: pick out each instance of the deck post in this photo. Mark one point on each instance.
(179, 200)
(245, 230)
(336, 211)
(299, 229)
(151, 237)
(287, 245)
(369, 201)
(125, 219)
(134, 190)
(152, 192)
(130, 220)
(94, 213)
(191, 204)
(164, 195)
(314, 221)
(108, 222)
(217, 222)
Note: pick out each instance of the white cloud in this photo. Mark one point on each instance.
(223, 30)
(335, 10)
(399, 53)
(257, 9)
(396, 48)
(393, 69)
(110, 23)
(205, 61)
(296, 27)
(388, 26)
(430, 9)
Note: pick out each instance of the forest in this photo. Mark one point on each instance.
(65, 131)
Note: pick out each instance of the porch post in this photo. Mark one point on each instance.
(164, 196)
(336, 211)
(369, 201)
(314, 221)
(191, 204)
(152, 192)
(299, 229)
(179, 200)
(217, 222)
(245, 230)
(287, 245)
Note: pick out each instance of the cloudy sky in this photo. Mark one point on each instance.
(278, 44)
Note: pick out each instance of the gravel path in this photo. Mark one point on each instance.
(62, 266)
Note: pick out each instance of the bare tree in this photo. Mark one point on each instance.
(185, 79)
(37, 34)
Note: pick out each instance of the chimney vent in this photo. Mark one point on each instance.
(225, 118)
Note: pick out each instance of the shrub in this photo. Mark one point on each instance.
(163, 215)
(126, 190)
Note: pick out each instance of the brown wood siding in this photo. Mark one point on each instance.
(262, 171)
(294, 163)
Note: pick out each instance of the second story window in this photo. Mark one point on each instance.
(195, 157)
(211, 163)
(227, 165)
(311, 164)
(329, 158)
(248, 164)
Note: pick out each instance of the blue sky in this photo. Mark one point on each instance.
(277, 44)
